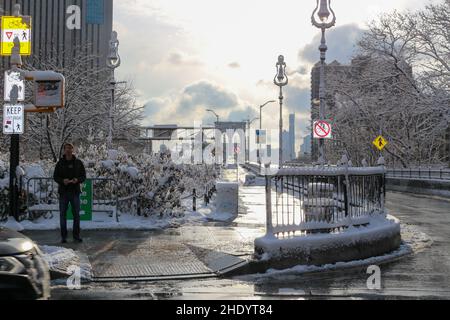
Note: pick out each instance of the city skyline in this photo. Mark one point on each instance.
(197, 59)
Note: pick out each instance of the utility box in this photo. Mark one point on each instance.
(48, 89)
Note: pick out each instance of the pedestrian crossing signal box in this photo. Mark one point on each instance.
(48, 91)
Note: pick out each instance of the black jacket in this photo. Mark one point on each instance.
(73, 169)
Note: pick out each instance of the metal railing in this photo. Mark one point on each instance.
(310, 200)
(419, 173)
(42, 196)
(209, 190)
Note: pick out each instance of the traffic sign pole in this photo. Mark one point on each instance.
(14, 154)
(16, 63)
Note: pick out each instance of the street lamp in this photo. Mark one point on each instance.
(249, 123)
(323, 14)
(113, 61)
(281, 80)
(217, 116)
(260, 128)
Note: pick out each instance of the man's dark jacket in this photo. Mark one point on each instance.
(73, 169)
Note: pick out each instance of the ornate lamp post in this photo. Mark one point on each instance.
(113, 61)
(281, 80)
(324, 23)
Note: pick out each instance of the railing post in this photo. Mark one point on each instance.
(269, 225)
(194, 200)
(381, 163)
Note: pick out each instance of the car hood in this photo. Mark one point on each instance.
(13, 242)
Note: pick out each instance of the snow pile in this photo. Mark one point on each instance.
(63, 261)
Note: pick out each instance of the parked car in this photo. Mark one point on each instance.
(24, 273)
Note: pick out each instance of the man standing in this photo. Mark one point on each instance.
(69, 174)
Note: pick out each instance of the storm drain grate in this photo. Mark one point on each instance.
(184, 261)
(154, 270)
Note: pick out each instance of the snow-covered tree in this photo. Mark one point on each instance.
(86, 111)
(399, 83)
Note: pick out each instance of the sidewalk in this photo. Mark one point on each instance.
(192, 251)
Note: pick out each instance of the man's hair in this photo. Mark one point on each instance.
(68, 144)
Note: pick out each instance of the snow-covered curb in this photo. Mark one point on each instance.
(414, 241)
(379, 227)
(403, 251)
(128, 223)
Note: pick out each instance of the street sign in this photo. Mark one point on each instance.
(322, 130)
(13, 27)
(380, 142)
(261, 136)
(86, 202)
(14, 78)
(13, 119)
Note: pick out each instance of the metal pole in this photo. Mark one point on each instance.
(323, 49)
(269, 225)
(111, 108)
(14, 155)
(259, 138)
(281, 80)
(280, 151)
(323, 24)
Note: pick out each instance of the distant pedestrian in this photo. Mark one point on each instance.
(69, 174)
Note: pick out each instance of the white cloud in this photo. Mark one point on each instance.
(229, 50)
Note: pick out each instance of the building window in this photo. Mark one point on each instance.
(95, 12)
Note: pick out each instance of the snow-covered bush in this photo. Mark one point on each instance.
(145, 185)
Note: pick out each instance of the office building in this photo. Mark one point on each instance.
(62, 29)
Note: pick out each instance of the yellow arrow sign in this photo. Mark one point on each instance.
(380, 142)
(13, 27)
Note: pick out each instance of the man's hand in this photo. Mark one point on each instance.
(67, 181)
(75, 181)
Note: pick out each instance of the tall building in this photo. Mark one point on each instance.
(64, 28)
(337, 73)
(334, 68)
(286, 146)
(305, 149)
(292, 154)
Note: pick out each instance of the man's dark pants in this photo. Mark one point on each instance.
(64, 200)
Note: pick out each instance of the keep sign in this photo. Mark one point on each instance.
(13, 119)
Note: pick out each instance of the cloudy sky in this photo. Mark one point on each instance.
(186, 56)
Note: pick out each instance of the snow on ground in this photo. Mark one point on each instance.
(63, 260)
(102, 221)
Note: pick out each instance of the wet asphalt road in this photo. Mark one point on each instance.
(424, 275)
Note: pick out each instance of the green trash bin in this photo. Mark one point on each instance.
(86, 202)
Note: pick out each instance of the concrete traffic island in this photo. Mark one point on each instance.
(324, 216)
(380, 237)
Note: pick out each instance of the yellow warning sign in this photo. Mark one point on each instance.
(380, 142)
(16, 27)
